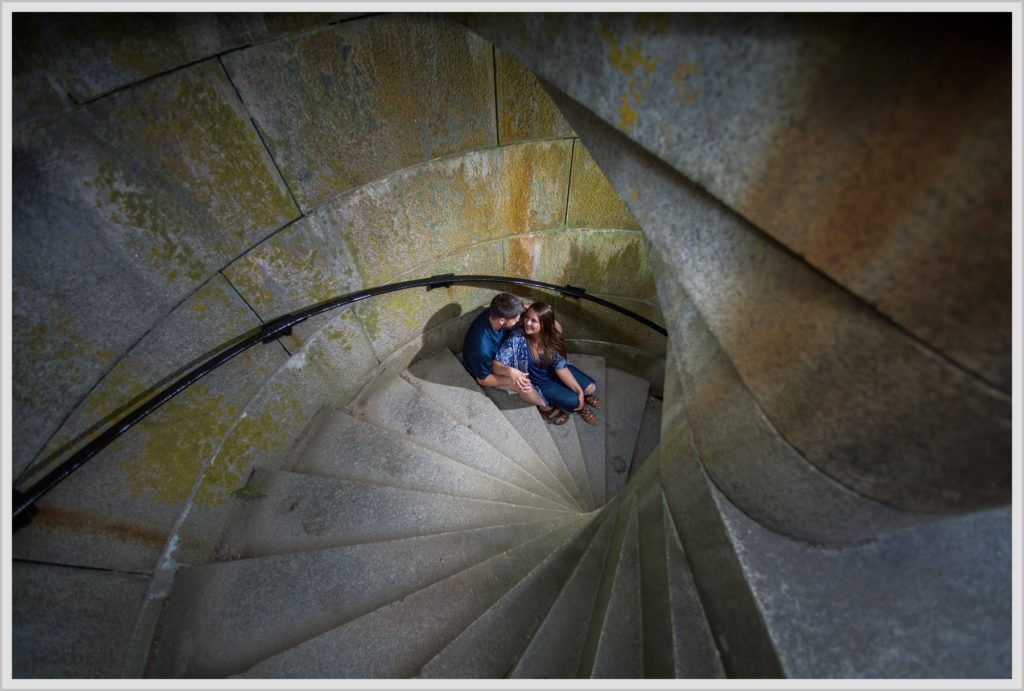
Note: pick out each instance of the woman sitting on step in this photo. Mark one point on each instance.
(538, 348)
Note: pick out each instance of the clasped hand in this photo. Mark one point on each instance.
(520, 380)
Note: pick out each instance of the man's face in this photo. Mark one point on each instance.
(510, 323)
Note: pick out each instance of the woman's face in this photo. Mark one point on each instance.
(531, 324)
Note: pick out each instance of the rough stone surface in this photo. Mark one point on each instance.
(755, 466)
(592, 437)
(842, 384)
(897, 615)
(396, 406)
(442, 379)
(605, 262)
(340, 446)
(280, 601)
(487, 648)
(94, 53)
(642, 363)
(525, 111)
(649, 436)
(556, 648)
(327, 371)
(535, 430)
(655, 601)
(619, 652)
(397, 640)
(624, 402)
(811, 127)
(568, 443)
(301, 512)
(407, 88)
(593, 202)
(117, 511)
(71, 623)
(120, 210)
(430, 211)
(37, 93)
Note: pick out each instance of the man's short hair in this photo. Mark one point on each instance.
(506, 306)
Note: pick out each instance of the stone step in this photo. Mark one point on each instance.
(395, 641)
(567, 441)
(650, 434)
(619, 653)
(491, 645)
(536, 431)
(281, 601)
(442, 378)
(556, 648)
(592, 437)
(396, 406)
(346, 448)
(624, 403)
(656, 612)
(694, 652)
(300, 512)
(596, 620)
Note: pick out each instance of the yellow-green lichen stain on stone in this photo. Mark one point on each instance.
(188, 186)
(593, 202)
(525, 111)
(632, 62)
(377, 96)
(431, 211)
(612, 262)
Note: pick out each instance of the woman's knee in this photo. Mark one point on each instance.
(590, 389)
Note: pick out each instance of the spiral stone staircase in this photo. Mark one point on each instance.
(428, 531)
(811, 476)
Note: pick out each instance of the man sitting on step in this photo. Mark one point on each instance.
(484, 337)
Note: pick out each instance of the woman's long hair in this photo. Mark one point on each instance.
(548, 340)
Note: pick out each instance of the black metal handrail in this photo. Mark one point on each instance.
(25, 500)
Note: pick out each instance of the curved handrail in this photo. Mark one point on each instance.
(269, 332)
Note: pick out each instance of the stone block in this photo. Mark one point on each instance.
(859, 397)
(607, 262)
(69, 623)
(876, 147)
(133, 202)
(525, 111)
(593, 202)
(36, 93)
(95, 53)
(434, 210)
(117, 511)
(377, 95)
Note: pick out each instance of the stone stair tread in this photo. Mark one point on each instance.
(396, 405)
(625, 400)
(694, 651)
(556, 648)
(567, 441)
(619, 653)
(302, 512)
(283, 600)
(650, 434)
(398, 639)
(344, 447)
(592, 437)
(536, 431)
(654, 587)
(442, 378)
(490, 647)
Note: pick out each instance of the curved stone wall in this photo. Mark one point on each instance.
(202, 201)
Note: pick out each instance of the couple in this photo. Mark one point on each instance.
(522, 350)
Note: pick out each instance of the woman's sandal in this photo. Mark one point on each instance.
(592, 400)
(588, 415)
(555, 416)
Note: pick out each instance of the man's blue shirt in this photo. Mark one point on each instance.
(480, 346)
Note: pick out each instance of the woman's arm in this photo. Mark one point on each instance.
(570, 381)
